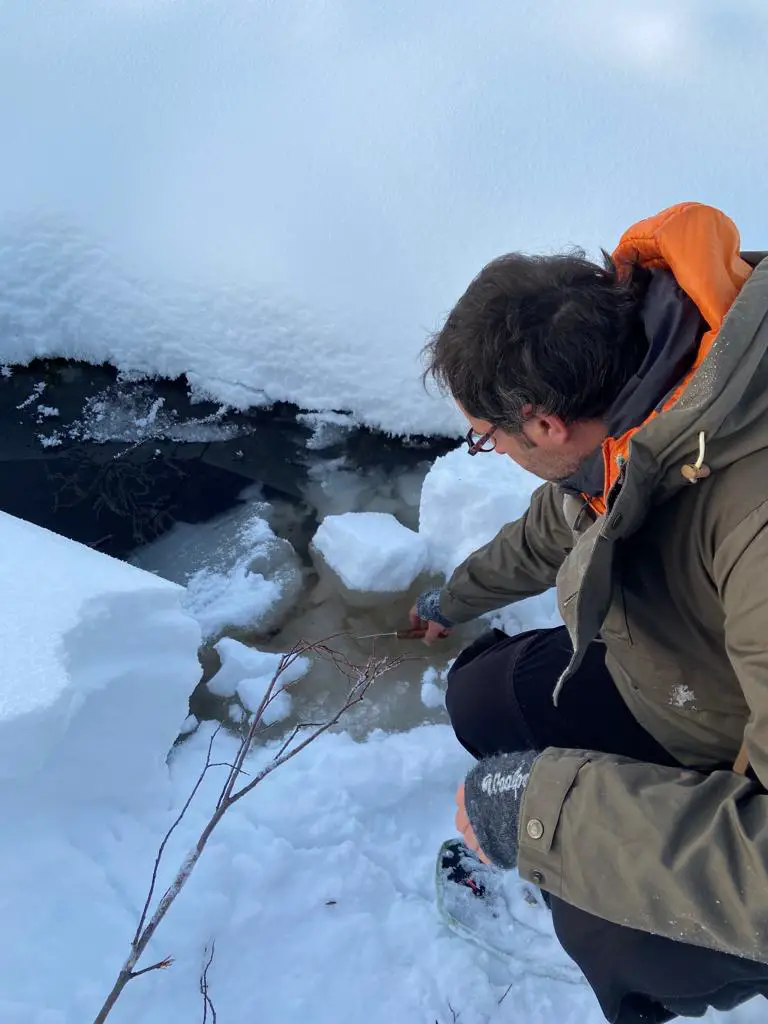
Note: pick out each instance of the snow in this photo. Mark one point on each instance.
(34, 394)
(44, 412)
(247, 672)
(99, 660)
(240, 345)
(334, 487)
(235, 211)
(371, 551)
(189, 725)
(317, 888)
(433, 686)
(202, 189)
(237, 573)
(328, 428)
(465, 501)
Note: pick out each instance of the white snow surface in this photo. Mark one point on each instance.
(317, 888)
(316, 242)
(99, 659)
(433, 684)
(465, 501)
(371, 551)
(247, 672)
(242, 346)
(237, 573)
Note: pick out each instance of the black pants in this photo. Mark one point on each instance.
(500, 700)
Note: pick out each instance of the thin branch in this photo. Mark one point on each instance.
(227, 764)
(506, 993)
(355, 695)
(161, 965)
(294, 733)
(207, 1001)
(169, 833)
(285, 661)
(360, 678)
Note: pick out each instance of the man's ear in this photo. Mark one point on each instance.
(547, 430)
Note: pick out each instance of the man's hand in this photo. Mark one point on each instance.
(426, 614)
(434, 631)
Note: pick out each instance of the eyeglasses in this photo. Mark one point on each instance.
(480, 442)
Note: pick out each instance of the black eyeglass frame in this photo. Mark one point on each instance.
(479, 445)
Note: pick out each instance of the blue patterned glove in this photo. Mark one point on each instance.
(428, 608)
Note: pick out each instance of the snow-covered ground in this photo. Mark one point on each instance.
(317, 889)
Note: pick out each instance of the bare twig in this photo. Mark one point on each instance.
(207, 1001)
(454, 1015)
(509, 987)
(227, 764)
(294, 733)
(161, 965)
(170, 832)
(359, 677)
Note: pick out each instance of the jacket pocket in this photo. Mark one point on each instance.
(616, 625)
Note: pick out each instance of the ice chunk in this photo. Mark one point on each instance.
(99, 662)
(432, 694)
(247, 672)
(465, 502)
(371, 551)
(328, 428)
(237, 572)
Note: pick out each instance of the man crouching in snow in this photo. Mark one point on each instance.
(623, 758)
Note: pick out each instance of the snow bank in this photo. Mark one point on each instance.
(269, 149)
(464, 503)
(319, 884)
(371, 551)
(99, 662)
(242, 346)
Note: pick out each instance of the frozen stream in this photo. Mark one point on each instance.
(296, 597)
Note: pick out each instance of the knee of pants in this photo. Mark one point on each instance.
(470, 710)
(483, 713)
(458, 698)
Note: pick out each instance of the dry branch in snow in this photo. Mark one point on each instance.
(238, 783)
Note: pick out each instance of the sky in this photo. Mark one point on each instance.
(361, 160)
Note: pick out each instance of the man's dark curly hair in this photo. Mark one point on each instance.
(558, 333)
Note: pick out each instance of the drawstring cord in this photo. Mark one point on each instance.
(693, 472)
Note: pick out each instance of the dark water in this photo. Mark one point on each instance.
(116, 464)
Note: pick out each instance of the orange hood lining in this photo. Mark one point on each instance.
(700, 245)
